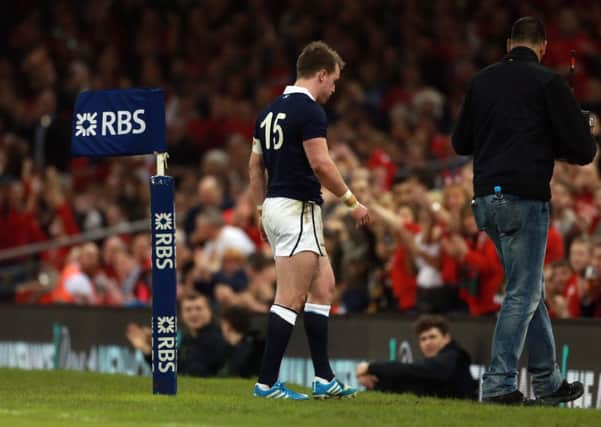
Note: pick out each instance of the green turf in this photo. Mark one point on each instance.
(61, 398)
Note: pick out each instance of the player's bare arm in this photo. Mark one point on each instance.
(256, 170)
(328, 175)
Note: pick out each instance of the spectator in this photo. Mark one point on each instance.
(201, 349)
(244, 346)
(141, 250)
(454, 199)
(111, 247)
(216, 238)
(473, 265)
(580, 259)
(401, 269)
(232, 284)
(261, 273)
(444, 372)
(385, 122)
(590, 292)
(76, 282)
(555, 286)
(595, 226)
(432, 295)
(555, 246)
(563, 215)
(131, 281)
(18, 215)
(358, 256)
(210, 195)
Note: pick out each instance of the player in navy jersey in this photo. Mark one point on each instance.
(290, 144)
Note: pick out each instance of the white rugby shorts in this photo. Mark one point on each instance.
(293, 226)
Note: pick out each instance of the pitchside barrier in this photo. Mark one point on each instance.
(131, 122)
(94, 339)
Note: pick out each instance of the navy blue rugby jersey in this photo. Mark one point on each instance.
(281, 128)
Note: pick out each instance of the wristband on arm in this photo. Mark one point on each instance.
(349, 199)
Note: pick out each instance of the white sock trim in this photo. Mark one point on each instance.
(322, 309)
(285, 313)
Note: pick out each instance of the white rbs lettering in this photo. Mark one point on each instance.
(166, 367)
(164, 251)
(163, 245)
(120, 123)
(141, 123)
(124, 122)
(164, 263)
(164, 238)
(166, 345)
(108, 120)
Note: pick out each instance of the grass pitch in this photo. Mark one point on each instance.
(61, 398)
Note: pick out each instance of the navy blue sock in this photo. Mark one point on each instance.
(316, 318)
(279, 328)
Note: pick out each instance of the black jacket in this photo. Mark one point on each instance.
(445, 375)
(202, 355)
(244, 359)
(517, 118)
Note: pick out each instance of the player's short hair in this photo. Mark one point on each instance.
(528, 30)
(317, 56)
(428, 321)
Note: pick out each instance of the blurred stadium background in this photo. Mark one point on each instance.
(220, 62)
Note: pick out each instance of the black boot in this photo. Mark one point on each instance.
(565, 393)
(514, 398)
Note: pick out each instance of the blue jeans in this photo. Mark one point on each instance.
(519, 229)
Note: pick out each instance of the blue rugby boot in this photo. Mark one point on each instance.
(278, 391)
(333, 389)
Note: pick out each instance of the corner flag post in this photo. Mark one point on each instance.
(164, 318)
(130, 122)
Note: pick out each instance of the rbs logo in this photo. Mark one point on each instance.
(120, 122)
(167, 344)
(164, 248)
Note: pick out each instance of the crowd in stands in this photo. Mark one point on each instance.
(209, 344)
(220, 62)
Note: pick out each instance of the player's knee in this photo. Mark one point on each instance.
(296, 305)
(323, 294)
(293, 301)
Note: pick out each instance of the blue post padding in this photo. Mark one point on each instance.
(164, 317)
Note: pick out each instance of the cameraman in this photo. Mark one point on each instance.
(518, 117)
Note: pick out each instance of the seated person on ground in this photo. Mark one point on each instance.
(444, 372)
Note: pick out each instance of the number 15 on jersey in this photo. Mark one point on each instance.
(273, 130)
